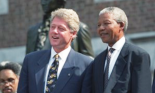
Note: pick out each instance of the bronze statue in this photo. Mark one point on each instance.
(37, 36)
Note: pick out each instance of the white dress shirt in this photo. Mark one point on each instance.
(62, 59)
(118, 47)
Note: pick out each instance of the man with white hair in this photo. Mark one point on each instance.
(122, 67)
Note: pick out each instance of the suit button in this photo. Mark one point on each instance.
(69, 74)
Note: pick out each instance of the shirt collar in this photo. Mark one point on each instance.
(119, 44)
(63, 54)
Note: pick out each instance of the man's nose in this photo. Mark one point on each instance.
(7, 83)
(55, 30)
(101, 27)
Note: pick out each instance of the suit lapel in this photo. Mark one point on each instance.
(118, 69)
(98, 75)
(40, 71)
(66, 73)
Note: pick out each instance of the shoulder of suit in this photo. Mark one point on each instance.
(134, 48)
(100, 55)
(82, 56)
(38, 53)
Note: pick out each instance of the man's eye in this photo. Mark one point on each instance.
(106, 23)
(10, 79)
(61, 29)
(99, 25)
(52, 27)
(1, 81)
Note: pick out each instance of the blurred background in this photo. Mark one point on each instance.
(16, 16)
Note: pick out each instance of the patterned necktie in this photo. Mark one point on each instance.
(52, 76)
(107, 67)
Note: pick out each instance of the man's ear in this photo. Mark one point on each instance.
(74, 34)
(122, 25)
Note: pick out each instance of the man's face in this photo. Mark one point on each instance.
(50, 5)
(60, 35)
(108, 29)
(8, 81)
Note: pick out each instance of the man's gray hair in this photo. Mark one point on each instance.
(15, 67)
(119, 15)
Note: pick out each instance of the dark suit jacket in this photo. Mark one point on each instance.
(32, 77)
(81, 44)
(131, 73)
(153, 86)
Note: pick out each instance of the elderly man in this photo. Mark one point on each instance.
(9, 76)
(122, 67)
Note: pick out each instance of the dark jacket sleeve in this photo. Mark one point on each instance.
(87, 80)
(140, 73)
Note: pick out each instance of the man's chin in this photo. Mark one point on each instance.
(104, 41)
(7, 91)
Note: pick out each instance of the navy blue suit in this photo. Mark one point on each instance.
(32, 77)
(131, 73)
(153, 86)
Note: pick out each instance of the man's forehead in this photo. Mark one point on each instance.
(7, 73)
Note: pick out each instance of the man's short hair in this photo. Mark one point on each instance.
(118, 13)
(15, 67)
(69, 15)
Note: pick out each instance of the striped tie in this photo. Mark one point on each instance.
(107, 67)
